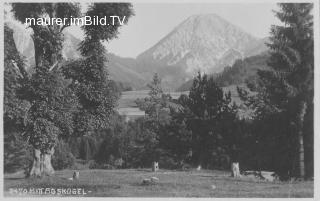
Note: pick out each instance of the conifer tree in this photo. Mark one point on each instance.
(157, 109)
(290, 83)
(287, 87)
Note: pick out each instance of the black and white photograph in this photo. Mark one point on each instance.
(160, 99)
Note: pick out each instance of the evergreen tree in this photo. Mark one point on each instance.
(292, 61)
(211, 119)
(287, 88)
(156, 105)
(157, 110)
(175, 141)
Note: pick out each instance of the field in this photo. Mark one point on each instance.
(127, 106)
(128, 183)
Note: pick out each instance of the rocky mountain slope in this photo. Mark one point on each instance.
(205, 43)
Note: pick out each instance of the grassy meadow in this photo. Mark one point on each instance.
(128, 183)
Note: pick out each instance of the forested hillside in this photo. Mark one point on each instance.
(238, 73)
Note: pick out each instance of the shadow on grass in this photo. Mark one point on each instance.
(242, 179)
(14, 178)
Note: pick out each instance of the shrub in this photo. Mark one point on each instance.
(94, 165)
(118, 163)
(62, 157)
(167, 162)
(17, 153)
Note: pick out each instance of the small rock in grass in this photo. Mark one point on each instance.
(269, 176)
(154, 179)
(146, 181)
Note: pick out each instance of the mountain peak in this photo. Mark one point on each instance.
(208, 16)
(199, 43)
(210, 20)
(202, 16)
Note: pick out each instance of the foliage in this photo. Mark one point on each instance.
(211, 117)
(62, 157)
(16, 152)
(14, 108)
(199, 129)
(285, 91)
(90, 82)
(67, 102)
(157, 109)
(176, 142)
(47, 39)
(115, 143)
(52, 103)
(156, 106)
(51, 114)
(241, 72)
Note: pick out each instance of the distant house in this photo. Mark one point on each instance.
(131, 113)
(128, 108)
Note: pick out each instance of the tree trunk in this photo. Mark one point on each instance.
(47, 166)
(36, 167)
(235, 169)
(42, 163)
(301, 115)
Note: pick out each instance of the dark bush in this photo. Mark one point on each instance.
(17, 153)
(167, 162)
(95, 165)
(62, 157)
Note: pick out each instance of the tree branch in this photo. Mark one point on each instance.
(63, 27)
(22, 70)
(53, 66)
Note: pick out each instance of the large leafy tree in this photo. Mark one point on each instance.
(54, 110)
(90, 81)
(47, 38)
(95, 92)
(52, 103)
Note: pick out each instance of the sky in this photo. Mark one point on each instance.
(154, 21)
